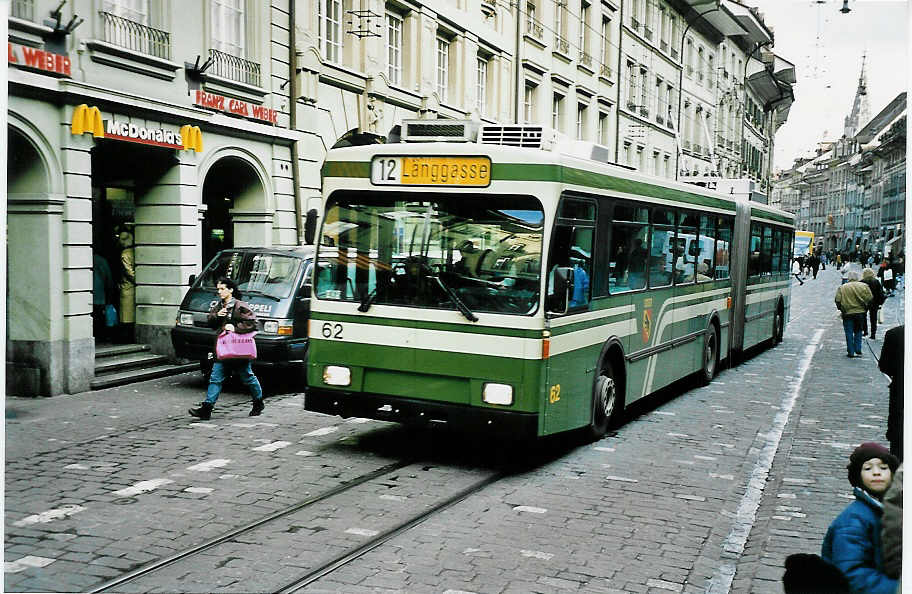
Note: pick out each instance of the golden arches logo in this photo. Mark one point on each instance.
(192, 138)
(87, 119)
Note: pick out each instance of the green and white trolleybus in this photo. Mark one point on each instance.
(483, 277)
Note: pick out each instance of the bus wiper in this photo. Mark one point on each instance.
(462, 307)
(367, 301)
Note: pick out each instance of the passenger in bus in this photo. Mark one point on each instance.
(702, 272)
(853, 541)
(580, 282)
(469, 257)
(636, 273)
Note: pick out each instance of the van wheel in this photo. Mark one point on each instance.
(710, 352)
(607, 404)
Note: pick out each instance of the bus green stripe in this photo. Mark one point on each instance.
(546, 172)
(763, 214)
(443, 326)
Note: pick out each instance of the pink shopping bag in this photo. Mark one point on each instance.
(231, 345)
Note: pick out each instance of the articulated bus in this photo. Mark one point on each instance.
(484, 278)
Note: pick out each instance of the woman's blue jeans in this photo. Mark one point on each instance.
(853, 324)
(220, 370)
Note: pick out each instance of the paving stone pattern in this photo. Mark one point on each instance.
(707, 491)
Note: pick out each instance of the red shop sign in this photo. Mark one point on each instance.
(235, 106)
(30, 57)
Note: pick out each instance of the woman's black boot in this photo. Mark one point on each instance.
(203, 411)
(258, 407)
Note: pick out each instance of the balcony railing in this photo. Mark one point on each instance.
(561, 44)
(631, 106)
(234, 68)
(634, 24)
(23, 9)
(698, 149)
(660, 119)
(585, 59)
(136, 36)
(535, 28)
(685, 144)
(644, 111)
(605, 71)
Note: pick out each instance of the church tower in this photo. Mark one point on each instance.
(861, 111)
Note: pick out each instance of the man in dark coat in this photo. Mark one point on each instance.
(891, 363)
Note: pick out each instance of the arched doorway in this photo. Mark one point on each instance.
(235, 198)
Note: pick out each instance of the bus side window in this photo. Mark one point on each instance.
(571, 248)
(662, 251)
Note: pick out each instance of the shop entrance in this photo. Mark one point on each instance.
(122, 176)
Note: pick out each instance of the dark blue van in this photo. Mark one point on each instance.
(276, 282)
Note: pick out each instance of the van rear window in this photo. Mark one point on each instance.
(257, 274)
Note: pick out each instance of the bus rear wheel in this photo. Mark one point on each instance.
(778, 326)
(710, 350)
(607, 403)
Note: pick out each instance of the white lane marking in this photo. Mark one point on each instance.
(664, 585)
(733, 546)
(393, 497)
(142, 487)
(50, 515)
(358, 421)
(271, 447)
(75, 467)
(304, 453)
(537, 555)
(207, 466)
(250, 425)
(530, 509)
(362, 532)
(203, 490)
(322, 431)
(603, 449)
(698, 457)
(620, 479)
(25, 563)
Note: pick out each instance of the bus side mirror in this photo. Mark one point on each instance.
(563, 282)
(310, 226)
(191, 280)
(304, 292)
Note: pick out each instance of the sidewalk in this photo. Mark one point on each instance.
(843, 402)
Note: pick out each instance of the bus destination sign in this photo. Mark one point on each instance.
(431, 171)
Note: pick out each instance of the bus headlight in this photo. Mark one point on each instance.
(186, 319)
(497, 394)
(336, 375)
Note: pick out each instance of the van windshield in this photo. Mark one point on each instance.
(478, 253)
(272, 275)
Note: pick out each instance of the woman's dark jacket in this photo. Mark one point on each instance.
(877, 291)
(239, 314)
(852, 543)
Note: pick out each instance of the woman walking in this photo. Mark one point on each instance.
(869, 278)
(230, 314)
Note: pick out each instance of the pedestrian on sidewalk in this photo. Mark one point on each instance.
(853, 541)
(815, 265)
(796, 270)
(232, 315)
(844, 271)
(891, 364)
(852, 300)
(869, 278)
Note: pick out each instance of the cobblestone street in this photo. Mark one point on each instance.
(702, 491)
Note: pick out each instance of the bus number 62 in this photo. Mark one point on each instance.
(332, 330)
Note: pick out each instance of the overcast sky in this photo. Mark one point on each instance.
(826, 47)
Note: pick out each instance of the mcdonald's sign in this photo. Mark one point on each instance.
(87, 119)
(192, 137)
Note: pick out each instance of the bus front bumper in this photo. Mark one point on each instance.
(502, 423)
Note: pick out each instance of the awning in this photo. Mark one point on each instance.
(754, 29)
(784, 71)
(717, 16)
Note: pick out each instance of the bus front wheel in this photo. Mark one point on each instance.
(778, 326)
(607, 403)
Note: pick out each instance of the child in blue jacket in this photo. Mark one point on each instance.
(852, 542)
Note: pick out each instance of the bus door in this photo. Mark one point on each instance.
(568, 385)
(688, 318)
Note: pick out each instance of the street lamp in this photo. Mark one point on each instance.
(845, 7)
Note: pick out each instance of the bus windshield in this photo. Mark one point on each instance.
(476, 253)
